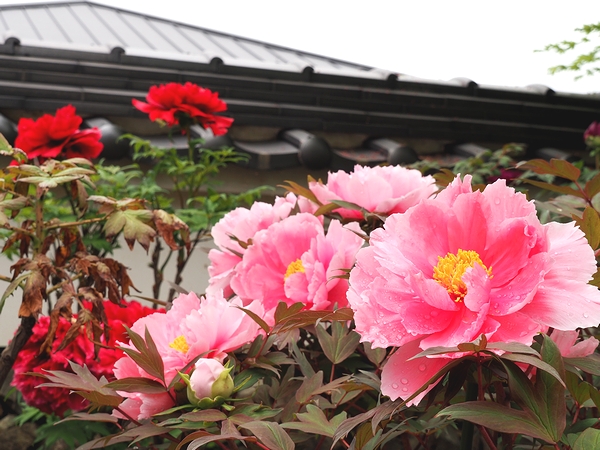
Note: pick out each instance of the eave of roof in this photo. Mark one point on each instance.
(338, 97)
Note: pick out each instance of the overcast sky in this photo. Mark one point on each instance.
(490, 42)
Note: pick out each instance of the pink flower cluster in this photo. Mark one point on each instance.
(465, 264)
(268, 256)
(380, 190)
(210, 327)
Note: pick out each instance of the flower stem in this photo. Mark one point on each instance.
(75, 224)
(487, 438)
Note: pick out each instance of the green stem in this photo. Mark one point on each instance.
(76, 224)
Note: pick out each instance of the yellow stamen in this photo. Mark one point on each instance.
(180, 344)
(293, 268)
(451, 268)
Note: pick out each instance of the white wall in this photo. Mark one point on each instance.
(195, 278)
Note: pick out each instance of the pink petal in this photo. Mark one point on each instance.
(401, 378)
(516, 327)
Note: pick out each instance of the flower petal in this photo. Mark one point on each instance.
(401, 378)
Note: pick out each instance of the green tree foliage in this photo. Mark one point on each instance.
(587, 63)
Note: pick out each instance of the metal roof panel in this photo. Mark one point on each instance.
(93, 24)
(74, 30)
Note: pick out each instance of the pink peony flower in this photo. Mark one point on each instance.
(234, 232)
(383, 190)
(565, 341)
(209, 326)
(464, 264)
(295, 261)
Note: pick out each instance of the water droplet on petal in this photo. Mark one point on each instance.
(404, 389)
(422, 367)
(435, 313)
(523, 333)
(395, 386)
(497, 201)
(586, 315)
(404, 381)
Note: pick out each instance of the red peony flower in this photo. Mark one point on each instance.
(174, 102)
(81, 351)
(51, 136)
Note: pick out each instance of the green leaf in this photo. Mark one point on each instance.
(375, 355)
(513, 347)
(590, 225)
(207, 415)
(309, 386)
(300, 191)
(377, 413)
(552, 390)
(11, 288)
(98, 417)
(521, 388)
(137, 384)
(282, 311)
(271, 434)
(536, 362)
(314, 421)
(588, 440)
(305, 366)
(257, 319)
(340, 345)
(589, 364)
(306, 318)
(498, 417)
(134, 225)
(592, 187)
(566, 190)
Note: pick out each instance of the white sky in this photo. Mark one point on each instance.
(490, 42)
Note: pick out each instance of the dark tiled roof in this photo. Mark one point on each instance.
(106, 56)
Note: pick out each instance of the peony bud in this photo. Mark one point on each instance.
(592, 131)
(209, 380)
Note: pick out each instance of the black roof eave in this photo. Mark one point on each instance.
(32, 78)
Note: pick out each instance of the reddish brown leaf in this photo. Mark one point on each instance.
(61, 309)
(167, 224)
(34, 293)
(557, 167)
